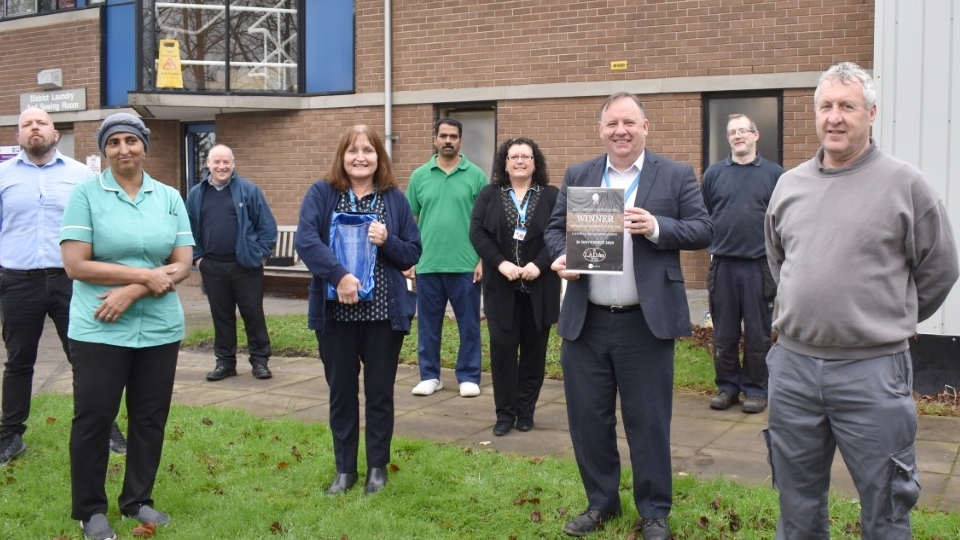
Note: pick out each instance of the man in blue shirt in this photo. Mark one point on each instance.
(34, 188)
(235, 234)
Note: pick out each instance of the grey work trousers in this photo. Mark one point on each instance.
(864, 407)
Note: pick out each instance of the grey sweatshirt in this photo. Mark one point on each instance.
(861, 254)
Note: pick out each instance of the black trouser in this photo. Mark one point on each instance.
(229, 287)
(342, 350)
(741, 290)
(100, 374)
(26, 299)
(517, 378)
(617, 354)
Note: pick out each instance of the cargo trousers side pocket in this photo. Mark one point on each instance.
(904, 483)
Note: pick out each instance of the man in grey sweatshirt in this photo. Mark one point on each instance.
(862, 250)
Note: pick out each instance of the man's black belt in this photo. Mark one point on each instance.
(36, 271)
(617, 309)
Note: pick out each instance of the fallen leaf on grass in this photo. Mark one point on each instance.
(144, 530)
(734, 521)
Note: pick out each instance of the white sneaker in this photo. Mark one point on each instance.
(469, 389)
(427, 387)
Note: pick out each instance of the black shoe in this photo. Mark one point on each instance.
(524, 424)
(376, 479)
(724, 400)
(653, 529)
(754, 404)
(342, 482)
(10, 448)
(587, 522)
(502, 427)
(221, 372)
(261, 371)
(118, 445)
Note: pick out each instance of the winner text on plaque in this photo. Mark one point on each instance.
(595, 230)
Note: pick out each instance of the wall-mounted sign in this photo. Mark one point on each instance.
(93, 161)
(8, 152)
(56, 101)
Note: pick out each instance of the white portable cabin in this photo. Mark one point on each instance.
(917, 72)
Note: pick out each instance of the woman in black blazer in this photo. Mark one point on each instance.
(521, 295)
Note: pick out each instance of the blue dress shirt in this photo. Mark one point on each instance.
(32, 200)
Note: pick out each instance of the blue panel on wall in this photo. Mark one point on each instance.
(120, 54)
(328, 32)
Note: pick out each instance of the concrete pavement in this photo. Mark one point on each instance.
(705, 443)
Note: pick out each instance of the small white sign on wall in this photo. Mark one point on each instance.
(94, 163)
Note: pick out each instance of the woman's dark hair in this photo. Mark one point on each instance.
(383, 178)
(540, 174)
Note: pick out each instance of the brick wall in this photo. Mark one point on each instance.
(481, 43)
(164, 159)
(73, 47)
(471, 43)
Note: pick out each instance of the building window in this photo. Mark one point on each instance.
(765, 109)
(226, 46)
(19, 8)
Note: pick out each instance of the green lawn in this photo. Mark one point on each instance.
(228, 475)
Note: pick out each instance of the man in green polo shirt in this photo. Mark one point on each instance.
(441, 194)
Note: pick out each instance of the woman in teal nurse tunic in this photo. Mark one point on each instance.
(126, 243)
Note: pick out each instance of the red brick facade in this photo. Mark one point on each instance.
(477, 44)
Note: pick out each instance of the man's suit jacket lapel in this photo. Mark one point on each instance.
(648, 177)
(594, 173)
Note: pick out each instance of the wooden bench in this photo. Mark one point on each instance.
(285, 260)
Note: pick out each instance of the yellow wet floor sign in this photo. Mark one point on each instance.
(169, 74)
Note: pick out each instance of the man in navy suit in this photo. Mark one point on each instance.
(618, 330)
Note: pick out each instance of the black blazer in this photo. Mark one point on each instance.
(669, 191)
(492, 237)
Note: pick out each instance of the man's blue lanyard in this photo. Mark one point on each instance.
(521, 210)
(353, 200)
(629, 191)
